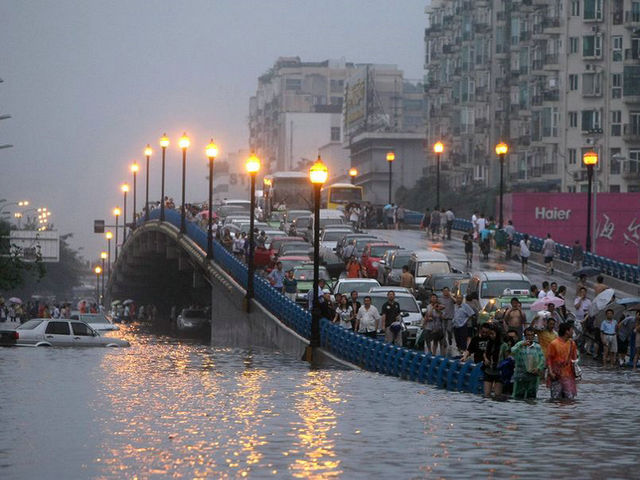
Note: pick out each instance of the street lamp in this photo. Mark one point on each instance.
(318, 174)
(116, 213)
(438, 148)
(212, 153)
(183, 143)
(103, 256)
(501, 150)
(252, 166)
(18, 215)
(353, 173)
(125, 188)
(391, 156)
(109, 236)
(134, 169)
(267, 192)
(590, 160)
(98, 271)
(164, 143)
(147, 153)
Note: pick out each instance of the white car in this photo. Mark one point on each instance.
(50, 332)
(390, 288)
(409, 310)
(360, 285)
(330, 237)
(193, 319)
(97, 321)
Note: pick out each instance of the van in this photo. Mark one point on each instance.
(426, 262)
(490, 285)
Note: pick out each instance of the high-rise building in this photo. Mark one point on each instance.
(297, 109)
(552, 78)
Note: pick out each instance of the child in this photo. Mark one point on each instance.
(468, 249)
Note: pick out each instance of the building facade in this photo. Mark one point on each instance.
(552, 78)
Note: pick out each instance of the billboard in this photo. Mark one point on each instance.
(355, 110)
(28, 244)
(615, 223)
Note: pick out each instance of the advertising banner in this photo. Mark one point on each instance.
(616, 227)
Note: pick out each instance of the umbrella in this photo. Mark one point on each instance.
(127, 302)
(115, 302)
(15, 300)
(620, 301)
(541, 303)
(634, 308)
(602, 300)
(587, 271)
(602, 314)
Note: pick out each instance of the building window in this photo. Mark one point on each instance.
(614, 188)
(633, 165)
(336, 101)
(573, 82)
(591, 46)
(571, 189)
(575, 8)
(573, 44)
(616, 45)
(573, 119)
(336, 85)
(293, 84)
(335, 134)
(614, 161)
(631, 80)
(591, 84)
(590, 120)
(592, 9)
(616, 85)
(616, 123)
(572, 156)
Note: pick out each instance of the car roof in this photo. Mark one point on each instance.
(358, 280)
(384, 294)
(489, 275)
(294, 257)
(380, 244)
(448, 275)
(389, 288)
(429, 255)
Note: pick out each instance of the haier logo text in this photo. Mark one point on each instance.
(543, 213)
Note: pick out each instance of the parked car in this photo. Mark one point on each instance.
(490, 284)
(298, 247)
(304, 275)
(330, 237)
(390, 266)
(265, 256)
(371, 255)
(344, 241)
(193, 319)
(360, 285)
(435, 282)
(97, 321)
(63, 333)
(410, 311)
(496, 307)
(289, 262)
(424, 262)
(390, 288)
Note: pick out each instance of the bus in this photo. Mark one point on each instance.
(339, 195)
(288, 191)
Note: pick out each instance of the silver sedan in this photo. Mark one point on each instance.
(62, 333)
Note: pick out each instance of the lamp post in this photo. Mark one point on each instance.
(125, 188)
(353, 173)
(590, 160)
(390, 158)
(98, 271)
(116, 213)
(252, 166)
(438, 148)
(109, 236)
(134, 169)
(183, 143)
(212, 153)
(103, 256)
(267, 192)
(501, 150)
(164, 143)
(147, 153)
(318, 174)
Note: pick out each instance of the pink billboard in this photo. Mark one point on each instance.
(616, 220)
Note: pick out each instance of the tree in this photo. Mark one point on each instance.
(14, 270)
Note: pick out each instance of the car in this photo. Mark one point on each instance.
(58, 332)
(289, 262)
(330, 237)
(489, 284)
(264, 257)
(304, 275)
(360, 243)
(244, 226)
(97, 321)
(460, 287)
(232, 219)
(496, 307)
(435, 282)
(224, 211)
(347, 239)
(424, 262)
(410, 311)
(371, 255)
(301, 225)
(360, 285)
(300, 247)
(390, 266)
(390, 288)
(276, 219)
(191, 319)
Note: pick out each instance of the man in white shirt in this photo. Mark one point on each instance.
(367, 319)
(546, 291)
(582, 304)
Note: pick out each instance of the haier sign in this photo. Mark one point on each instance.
(616, 221)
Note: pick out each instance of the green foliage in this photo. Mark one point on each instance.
(13, 269)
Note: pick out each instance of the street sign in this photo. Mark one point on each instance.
(98, 226)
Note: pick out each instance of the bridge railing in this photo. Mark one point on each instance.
(370, 354)
(622, 271)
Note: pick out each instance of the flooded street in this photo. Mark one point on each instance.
(169, 408)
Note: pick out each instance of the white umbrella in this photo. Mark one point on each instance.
(15, 300)
(541, 303)
(127, 302)
(602, 300)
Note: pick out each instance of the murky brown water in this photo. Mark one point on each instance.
(169, 408)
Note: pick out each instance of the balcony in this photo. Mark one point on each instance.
(551, 61)
(525, 36)
(524, 140)
(631, 132)
(631, 170)
(551, 25)
(536, 100)
(551, 96)
(631, 56)
(631, 19)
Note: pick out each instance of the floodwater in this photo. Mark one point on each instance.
(171, 408)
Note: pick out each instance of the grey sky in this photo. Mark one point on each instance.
(89, 83)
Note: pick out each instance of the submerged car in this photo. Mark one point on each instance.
(192, 319)
(44, 332)
(97, 321)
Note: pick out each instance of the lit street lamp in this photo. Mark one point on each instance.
(18, 215)
(98, 271)
(147, 153)
(390, 158)
(116, 213)
(353, 173)
(501, 150)
(109, 236)
(590, 160)
(164, 143)
(103, 256)
(252, 166)
(212, 153)
(183, 143)
(125, 188)
(318, 174)
(438, 148)
(134, 169)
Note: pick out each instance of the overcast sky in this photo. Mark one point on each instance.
(90, 82)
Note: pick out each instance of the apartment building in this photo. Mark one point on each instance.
(552, 78)
(297, 109)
